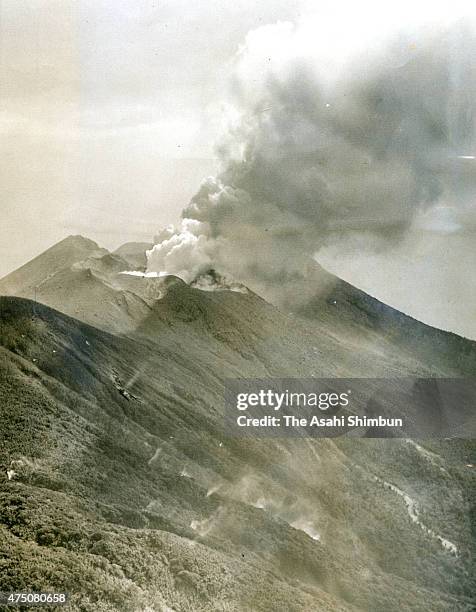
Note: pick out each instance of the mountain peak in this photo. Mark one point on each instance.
(63, 254)
(77, 240)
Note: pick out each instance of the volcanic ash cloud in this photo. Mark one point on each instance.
(329, 141)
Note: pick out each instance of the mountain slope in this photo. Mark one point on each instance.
(122, 489)
(332, 343)
(353, 315)
(82, 280)
(64, 254)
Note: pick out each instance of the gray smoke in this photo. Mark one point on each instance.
(325, 149)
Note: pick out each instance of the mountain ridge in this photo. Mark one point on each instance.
(79, 253)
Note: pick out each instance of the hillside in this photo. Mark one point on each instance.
(83, 280)
(120, 487)
(62, 255)
(353, 315)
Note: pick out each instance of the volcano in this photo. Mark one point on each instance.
(120, 487)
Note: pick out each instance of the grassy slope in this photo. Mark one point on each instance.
(127, 494)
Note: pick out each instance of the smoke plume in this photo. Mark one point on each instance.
(331, 140)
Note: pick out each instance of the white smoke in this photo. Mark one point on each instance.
(186, 252)
(339, 128)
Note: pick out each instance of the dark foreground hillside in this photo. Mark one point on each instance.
(118, 485)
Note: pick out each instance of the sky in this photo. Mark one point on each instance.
(110, 111)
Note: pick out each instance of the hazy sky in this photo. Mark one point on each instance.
(109, 110)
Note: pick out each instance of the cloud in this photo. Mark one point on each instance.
(327, 141)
